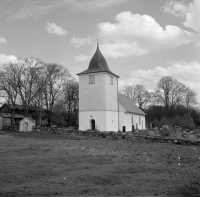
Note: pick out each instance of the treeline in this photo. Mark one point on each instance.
(172, 102)
(48, 88)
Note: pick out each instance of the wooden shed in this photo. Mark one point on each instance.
(26, 124)
(5, 119)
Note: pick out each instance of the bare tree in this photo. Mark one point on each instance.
(28, 75)
(8, 81)
(169, 92)
(130, 92)
(71, 98)
(56, 76)
(138, 94)
(39, 100)
(190, 97)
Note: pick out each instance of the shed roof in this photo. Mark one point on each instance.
(8, 115)
(128, 105)
(20, 107)
(29, 118)
(97, 64)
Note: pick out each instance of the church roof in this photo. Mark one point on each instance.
(97, 64)
(128, 105)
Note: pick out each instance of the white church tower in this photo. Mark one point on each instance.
(98, 96)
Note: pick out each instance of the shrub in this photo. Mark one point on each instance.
(156, 123)
(164, 133)
(176, 120)
(187, 121)
(164, 121)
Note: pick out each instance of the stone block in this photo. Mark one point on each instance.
(172, 135)
(179, 135)
(151, 133)
(192, 137)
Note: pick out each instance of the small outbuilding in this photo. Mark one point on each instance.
(26, 124)
(5, 119)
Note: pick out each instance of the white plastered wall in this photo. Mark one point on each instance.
(99, 96)
(98, 101)
(121, 117)
(138, 121)
(30, 125)
(125, 119)
(104, 120)
(111, 121)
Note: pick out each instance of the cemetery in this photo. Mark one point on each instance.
(165, 134)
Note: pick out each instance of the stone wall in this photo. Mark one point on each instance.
(148, 136)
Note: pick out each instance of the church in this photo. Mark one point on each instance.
(101, 107)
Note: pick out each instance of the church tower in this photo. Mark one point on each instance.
(98, 96)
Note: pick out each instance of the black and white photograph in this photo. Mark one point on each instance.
(99, 98)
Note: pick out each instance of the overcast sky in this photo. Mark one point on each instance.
(142, 40)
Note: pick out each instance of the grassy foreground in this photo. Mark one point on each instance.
(33, 164)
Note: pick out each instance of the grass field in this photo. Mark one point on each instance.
(33, 164)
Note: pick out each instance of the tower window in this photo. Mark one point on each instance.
(91, 79)
(111, 80)
(139, 121)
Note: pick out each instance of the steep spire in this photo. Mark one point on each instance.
(97, 63)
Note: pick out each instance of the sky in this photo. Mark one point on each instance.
(142, 40)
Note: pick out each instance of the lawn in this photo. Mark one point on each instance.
(33, 164)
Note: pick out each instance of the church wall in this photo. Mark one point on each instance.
(111, 93)
(85, 118)
(111, 121)
(140, 124)
(121, 120)
(99, 96)
(121, 117)
(128, 121)
(104, 120)
(92, 96)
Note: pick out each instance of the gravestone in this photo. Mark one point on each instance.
(172, 134)
(197, 130)
(144, 133)
(155, 128)
(166, 127)
(185, 132)
(197, 134)
(157, 133)
(192, 137)
(177, 128)
(179, 135)
(136, 130)
(151, 133)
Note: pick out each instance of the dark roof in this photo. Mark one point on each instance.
(128, 105)
(97, 64)
(7, 115)
(20, 107)
(29, 118)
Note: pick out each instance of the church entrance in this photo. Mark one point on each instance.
(92, 124)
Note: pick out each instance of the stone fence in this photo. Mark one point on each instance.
(144, 135)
